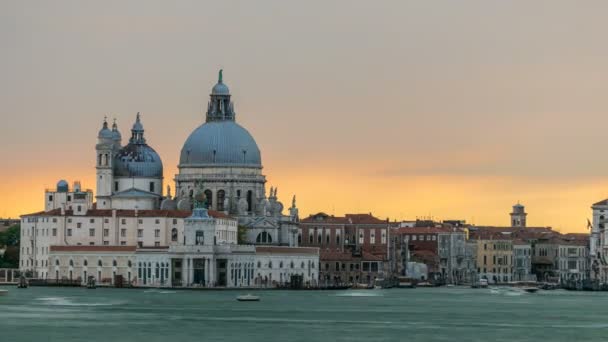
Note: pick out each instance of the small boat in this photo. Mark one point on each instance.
(3, 292)
(248, 298)
(530, 289)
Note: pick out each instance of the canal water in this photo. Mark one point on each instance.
(435, 314)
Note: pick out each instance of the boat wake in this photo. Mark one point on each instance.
(367, 293)
(63, 301)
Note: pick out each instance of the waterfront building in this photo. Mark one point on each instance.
(441, 248)
(522, 261)
(598, 242)
(134, 234)
(494, 255)
(353, 248)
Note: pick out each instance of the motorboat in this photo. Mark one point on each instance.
(248, 298)
(530, 289)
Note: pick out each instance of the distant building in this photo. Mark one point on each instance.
(353, 248)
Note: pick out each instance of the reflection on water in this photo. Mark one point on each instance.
(436, 314)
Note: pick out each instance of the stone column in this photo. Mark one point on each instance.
(184, 270)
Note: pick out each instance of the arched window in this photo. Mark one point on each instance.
(259, 264)
(191, 195)
(302, 265)
(299, 239)
(319, 238)
(174, 234)
(200, 237)
(114, 263)
(338, 240)
(249, 200)
(209, 198)
(221, 195)
(310, 238)
(291, 265)
(85, 262)
(327, 239)
(56, 262)
(129, 263)
(281, 264)
(71, 262)
(99, 263)
(270, 264)
(263, 237)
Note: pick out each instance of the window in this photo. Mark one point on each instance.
(157, 221)
(123, 243)
(54, 220)
(200, 238)
(372, 237)
(50, 198)
(106, 243)
(140, 244)
(78, 225)
(337, 239)
(106, 232)
(157, 233)
(115, 186)
(221, 195)
(174, 221)
(92, 232)
(140, 221)
(92, 220)
(69, 220)
(151, 186)
(174, 234)
(140, 233)
(106, 220)
(54, 231)
(69, 231)
(123, 221)
(157, 244)
(123, 232)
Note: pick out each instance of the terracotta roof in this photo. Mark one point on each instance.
(322, 218)
(128, 213)
(364, 219)
(93, 248)
(286, 250)
(325, 219)
(604, 202)
(424, 230)
(348, 256)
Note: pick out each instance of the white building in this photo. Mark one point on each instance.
(133, 234)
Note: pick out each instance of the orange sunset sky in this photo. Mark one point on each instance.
(455, 110)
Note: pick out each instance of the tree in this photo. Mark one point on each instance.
(242, 235)
(10, 259)
(10, 240)
(11, 237)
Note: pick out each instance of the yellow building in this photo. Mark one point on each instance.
(494, 256)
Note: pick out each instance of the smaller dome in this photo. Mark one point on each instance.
(116, 136)
(220, 89)
(62, 186)
(138, 160)
(105, 133)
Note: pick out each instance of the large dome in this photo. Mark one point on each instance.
(219, 143)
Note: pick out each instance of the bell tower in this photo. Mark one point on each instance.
(518, 216)
(104, 149)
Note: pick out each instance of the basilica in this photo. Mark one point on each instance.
(218, 229)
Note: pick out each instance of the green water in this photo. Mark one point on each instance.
(441, 314)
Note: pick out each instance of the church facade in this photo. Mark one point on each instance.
(220, 229)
